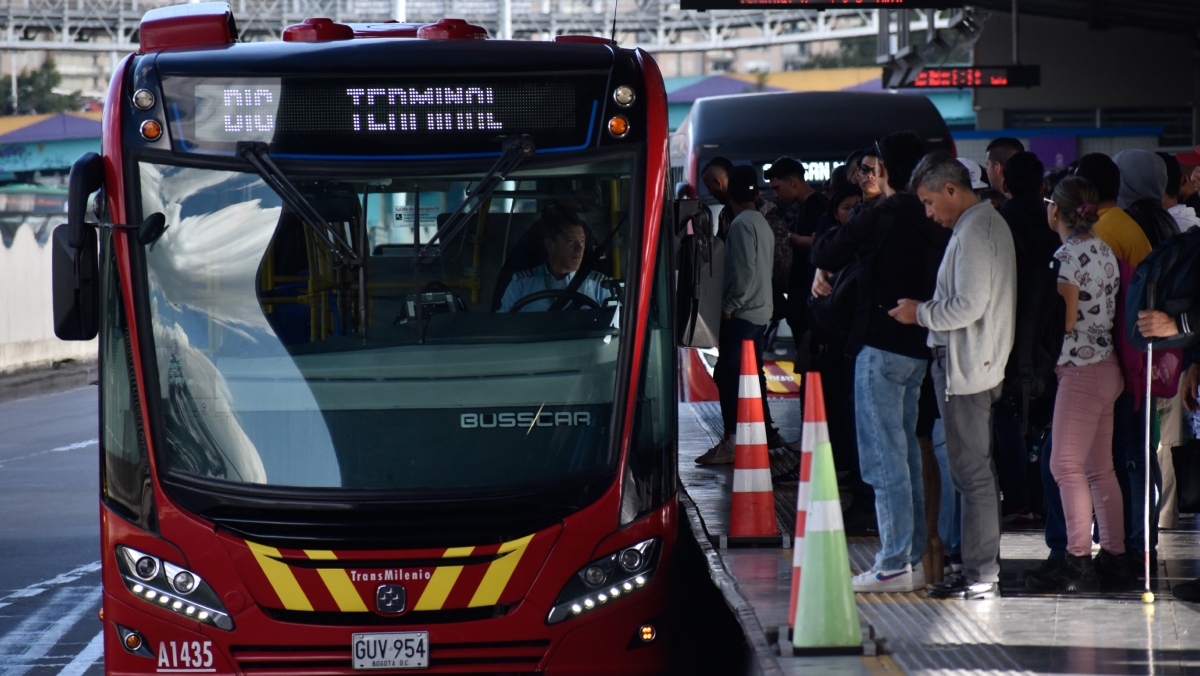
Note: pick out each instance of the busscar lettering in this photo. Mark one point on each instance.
(423, 109)
(524, 419)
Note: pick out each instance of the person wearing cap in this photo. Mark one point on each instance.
(976, 173)
(746, 303)
(892, 358)
(998, 153)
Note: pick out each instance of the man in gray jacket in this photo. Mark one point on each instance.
(971, 322)
(747, 304)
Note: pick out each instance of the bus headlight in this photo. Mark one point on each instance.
(171, 587)
(606, 580)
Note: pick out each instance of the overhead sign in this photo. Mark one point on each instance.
(819, 4)
(962, 77)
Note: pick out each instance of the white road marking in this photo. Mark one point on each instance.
(39, 587)
(21, 648)
(78, 444)
(86, 658)
(58, 449)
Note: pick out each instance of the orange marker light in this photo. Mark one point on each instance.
(151, 130)
(133, 641)
(647, 632)
(618, 126)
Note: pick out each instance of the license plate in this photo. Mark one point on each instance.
(396, 650)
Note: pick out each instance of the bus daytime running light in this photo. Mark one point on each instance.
(165, 584)
(623, 572)
(647, 632)
(624, 96)
(143, 99)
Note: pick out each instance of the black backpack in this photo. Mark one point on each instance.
(1038, 342)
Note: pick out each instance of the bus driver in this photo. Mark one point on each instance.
(565, 239)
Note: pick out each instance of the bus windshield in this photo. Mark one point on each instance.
(483, 357)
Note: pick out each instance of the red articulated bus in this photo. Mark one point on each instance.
(388, 372)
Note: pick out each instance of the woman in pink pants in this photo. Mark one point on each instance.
(1089, 380)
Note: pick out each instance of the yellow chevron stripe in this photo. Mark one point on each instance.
(280, 576)
(499, 572)
(442, 582)
(338, 583)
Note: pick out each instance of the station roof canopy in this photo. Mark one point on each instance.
(1169, 16)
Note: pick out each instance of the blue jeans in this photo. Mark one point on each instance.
(1056, 521)
(950, 509)
(886, 389)
(1012, 457)
(1129, 461)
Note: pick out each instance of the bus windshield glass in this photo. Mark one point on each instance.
(477, 357)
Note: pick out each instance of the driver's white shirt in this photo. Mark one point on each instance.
(529, 282)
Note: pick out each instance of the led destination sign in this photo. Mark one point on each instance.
(975, 76)
(323, 117)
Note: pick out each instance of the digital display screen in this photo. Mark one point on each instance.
(976, 76)
(378, 118)
(820, 4)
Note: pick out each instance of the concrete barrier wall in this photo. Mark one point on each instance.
(27, 339)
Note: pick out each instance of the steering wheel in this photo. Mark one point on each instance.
(577, 299)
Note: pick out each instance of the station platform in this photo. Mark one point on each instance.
(1021, 633)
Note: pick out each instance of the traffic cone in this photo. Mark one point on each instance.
(753, 509)
(815, 431)
(826, 618)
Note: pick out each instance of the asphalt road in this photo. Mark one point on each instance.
(50, 535)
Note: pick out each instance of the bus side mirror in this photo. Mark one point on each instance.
(87, 176)
(76, 278)
(75, 256)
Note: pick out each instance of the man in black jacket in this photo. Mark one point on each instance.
(1035, 244)
(906, 248)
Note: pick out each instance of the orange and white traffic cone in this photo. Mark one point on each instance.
(753, 511)
(815, 431)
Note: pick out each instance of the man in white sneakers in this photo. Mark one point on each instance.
(971, 322)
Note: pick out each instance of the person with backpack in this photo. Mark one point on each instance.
(1029, 377)
(899, 249)
(1089, 380)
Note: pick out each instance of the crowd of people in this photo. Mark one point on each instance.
(922, 287)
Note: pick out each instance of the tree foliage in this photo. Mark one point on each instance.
(35, 92)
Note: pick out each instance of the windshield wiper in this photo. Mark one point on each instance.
(516, 151)
(257, 155)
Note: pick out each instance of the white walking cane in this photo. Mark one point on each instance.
(1147, 595)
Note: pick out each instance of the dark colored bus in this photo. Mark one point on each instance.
(818, 128)
(331, 442)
